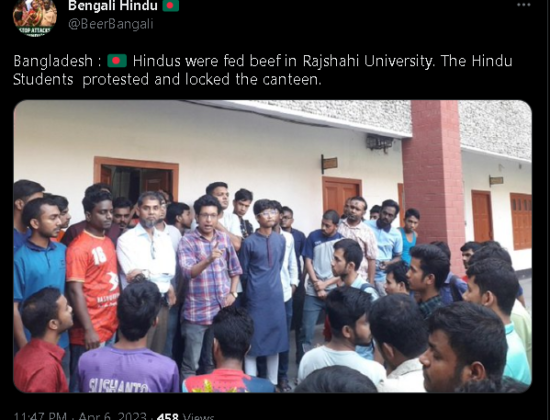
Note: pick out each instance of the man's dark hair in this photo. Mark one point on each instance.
(344, 306)
(263, 204)
(244, 195)
(361, 199)
(61, 202)
(399, 270)
(412, 212)
(331, 215)
(375, 209)
(391, 203)
(122, 203)
(396, 320)
(336, 379)
(174, 210)
(288, 209)
(233, 328)
(496, 276)
(474, 246)
(206, 201)
(432, 261)
(39, 309)
(277, 206)
(138, 307)
(352, 251)
(150, 195)
(491, 250)
(98, 187)
(475, 334)
(444, 247)
(168, 194)
(33, 209)
(210, 189)
(24, 188)
(92, 199)
(506, 386)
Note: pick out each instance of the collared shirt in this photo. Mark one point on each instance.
(246, 228)
(366, 239)
(136, 250)
(206, 293)
(430, 305)
(37, 368)
(446, 292)
(35, 268)
(389, 242)
(289, 270)
(407, 377)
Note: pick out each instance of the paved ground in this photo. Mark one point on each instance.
(293, 369)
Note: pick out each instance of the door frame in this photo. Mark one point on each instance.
(491, 226)
(351, 181)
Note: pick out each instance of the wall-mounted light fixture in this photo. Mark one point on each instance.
(377, 142)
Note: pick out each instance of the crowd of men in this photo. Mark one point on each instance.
(160, 297)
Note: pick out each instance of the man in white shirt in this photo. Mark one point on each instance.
(148, 251)
(347, 310)
(401, 336)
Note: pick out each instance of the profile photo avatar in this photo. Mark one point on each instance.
(34, 17)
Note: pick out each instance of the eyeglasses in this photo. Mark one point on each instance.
(268, 213)
(208, 216)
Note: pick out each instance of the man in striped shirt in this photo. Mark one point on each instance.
(210, 271)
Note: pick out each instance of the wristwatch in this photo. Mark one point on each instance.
(235, 294)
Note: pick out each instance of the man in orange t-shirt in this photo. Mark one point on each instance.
(92, 281)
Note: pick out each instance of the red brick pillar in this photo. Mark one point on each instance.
(432, 173)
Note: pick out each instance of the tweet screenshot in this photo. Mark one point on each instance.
(276, 205)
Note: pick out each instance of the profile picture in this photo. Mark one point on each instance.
(34, 17)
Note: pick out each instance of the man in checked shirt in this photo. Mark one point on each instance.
(210, 272)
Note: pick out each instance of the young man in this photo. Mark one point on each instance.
(321, 280)
(122, 208)
(374, 213)
(466, 343)
(210, 272)
(23, 192)
(427, 273)
(408, 233)
(354, 228)
(179, 215)
(39, 263)
(233, 329)
(74, 230)
(388, 240)
(494, 284)
(347, 310)
(37, 367)
(148, 251)
(63, 206)
(128, 365)
(399, 330)
(227, 222)
(92, 281)
(261, 259)
(241, 204)
(453, 288)
(468, 249)
(396, 278)
(173, 233)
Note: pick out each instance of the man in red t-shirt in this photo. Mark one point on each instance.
(37, 366)
(92, 281)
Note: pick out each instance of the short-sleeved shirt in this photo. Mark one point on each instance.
(517, 365)
(92, 261)
(320, 249)
(20, 238)
(390, 245)
(227, 380)
(35, 268)
(363, 235)
(446, 292)
(74, 230)
(205, 294)
(109, 369)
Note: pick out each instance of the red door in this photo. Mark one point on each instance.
(483, 220)
(337, 190)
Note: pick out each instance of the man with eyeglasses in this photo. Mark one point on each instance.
(210, 272)
(145, 250)
(389, 241)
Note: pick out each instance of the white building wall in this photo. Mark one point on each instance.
(56, 141)
(517, 179)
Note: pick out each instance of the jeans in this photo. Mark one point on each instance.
(76, 352)
(283, 357)
(198, 339)
(173, 315)
(312, 308)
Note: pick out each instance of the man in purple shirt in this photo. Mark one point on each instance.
(210, 272)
